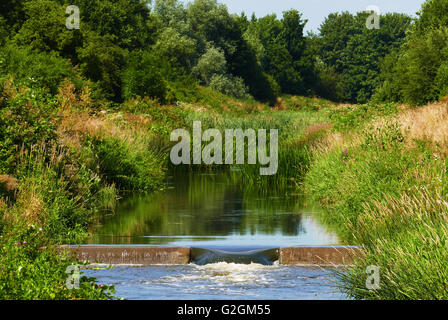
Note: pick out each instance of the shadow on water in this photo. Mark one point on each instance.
(212, 210)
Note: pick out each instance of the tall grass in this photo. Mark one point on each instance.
(386, 189)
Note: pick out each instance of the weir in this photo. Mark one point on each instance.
(156, 255)
(201, 256)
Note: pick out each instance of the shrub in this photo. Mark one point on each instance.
(36, 70)
(211, 63)
(229, 85)
(102, 61)
(26, 118)
(30, 273)
(146, 76)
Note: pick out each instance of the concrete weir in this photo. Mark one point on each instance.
(322, 256)
(131, 255)
(152, 255)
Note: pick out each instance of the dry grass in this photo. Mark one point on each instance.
(318, 127)
(71, 99)
(8, 182)
(32, 208)
(427, 123)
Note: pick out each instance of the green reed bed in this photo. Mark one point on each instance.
(388, 193)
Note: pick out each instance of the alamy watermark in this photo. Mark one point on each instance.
(373, 21)
(73, 21)
(373, 280)
(212, 153)
(72, 281)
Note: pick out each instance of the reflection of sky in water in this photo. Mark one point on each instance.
(220, 281)
(212, 210)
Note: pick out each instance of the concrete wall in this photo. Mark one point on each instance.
(134, 255)
(324, 256)
(146, 255)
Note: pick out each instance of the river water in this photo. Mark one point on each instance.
(214, 211)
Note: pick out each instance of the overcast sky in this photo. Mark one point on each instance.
(316, 10)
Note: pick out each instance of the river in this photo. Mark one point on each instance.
(214, 211)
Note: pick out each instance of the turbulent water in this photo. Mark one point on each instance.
(221, 281)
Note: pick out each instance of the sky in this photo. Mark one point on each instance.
(316, 10)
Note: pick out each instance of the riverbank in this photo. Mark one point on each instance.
(383, 185)
(67, 158)
(379, 171)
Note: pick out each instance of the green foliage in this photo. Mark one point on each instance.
(127, 22)
(210, 23)
(231, 86)
(13, 13)
(25, 119)
(348, 48)
(145, 76)
(130, 165)
(34, 69)
(415, 74)
(47, 32)
(151, 75)
(212, 62)
(4, 33)
(102, 61)
(389, 198)
(351, 117)
(179, 49)
(280, 49)
(330, 84)
(28, 272)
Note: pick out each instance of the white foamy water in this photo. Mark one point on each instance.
(220, 281)
(226, 273)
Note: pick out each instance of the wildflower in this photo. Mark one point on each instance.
(18, 243)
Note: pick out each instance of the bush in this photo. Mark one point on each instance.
(26, 118)
(144, 77)
(29, 273)
(35, 70)
(229, 85)
(416, 74)
(102, 61)
(330, 84)
(211, 63)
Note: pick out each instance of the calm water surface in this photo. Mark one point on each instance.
(212, 210)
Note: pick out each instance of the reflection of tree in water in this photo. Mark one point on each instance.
(204, 205)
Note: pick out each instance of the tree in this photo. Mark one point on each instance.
(355, 52)
(417, 72)
(212, 62)
(103, 61)
(145, 76)
(47, 32)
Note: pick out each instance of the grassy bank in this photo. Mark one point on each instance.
(379, 171)
(67, 157)
(64, 161)
(382, 179)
